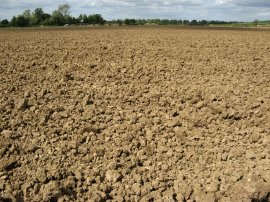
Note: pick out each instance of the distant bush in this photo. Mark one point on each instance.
(21, 21)
(130, 22)
(4, 23)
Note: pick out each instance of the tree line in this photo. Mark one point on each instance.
(62, 16)
(158, 22)
(167, 22)
(59, 17)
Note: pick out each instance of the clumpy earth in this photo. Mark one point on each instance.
(134, 114)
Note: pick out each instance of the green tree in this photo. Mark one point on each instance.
(203, 22)
(194, 22)
(61, 16)
(13, 22)
(96, 19)
(4, 22)
(140, 22)
(38, 16)
(71, 20)
(154, 21)
(164, 22)
(91, 19)
(255, 22)
(127, 21)
(64, 9)
(27, 14)
(99, 19)
(46, 16)
(185, 22)
(57, 18)
(80, 18)
(47, 22)
(130, 21)
(119, 22)
(85, 19)
(21, 21)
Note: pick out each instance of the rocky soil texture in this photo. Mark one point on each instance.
(134, 114)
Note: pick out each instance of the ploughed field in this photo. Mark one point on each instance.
(134, 114)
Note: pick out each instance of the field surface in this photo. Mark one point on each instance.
(135, 114)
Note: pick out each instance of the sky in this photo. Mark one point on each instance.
(228, 10)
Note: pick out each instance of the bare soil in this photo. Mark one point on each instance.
(134, 114)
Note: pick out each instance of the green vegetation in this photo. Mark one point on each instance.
(59, 17)
(4, 23)
(194, 22)
(157, 22)
(62, 16)
(91, 19)
(255, 23)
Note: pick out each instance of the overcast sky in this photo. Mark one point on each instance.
(240, 10)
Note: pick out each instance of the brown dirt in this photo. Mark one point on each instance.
(134, 114)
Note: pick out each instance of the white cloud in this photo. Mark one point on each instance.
(248, 3)
(224, 1)
(240, 10)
